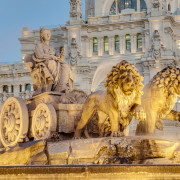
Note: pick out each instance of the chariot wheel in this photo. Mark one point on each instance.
(44, 121)
(14, 121)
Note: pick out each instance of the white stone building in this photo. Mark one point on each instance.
(144, 32)
(15, 81)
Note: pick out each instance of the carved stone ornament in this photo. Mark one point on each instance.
(75, 8)
(14, 122)
(74, 53)
(156, 45)
(156, 4)
(44, 121)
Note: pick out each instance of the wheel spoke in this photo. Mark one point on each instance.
(18, 121)
(17, 127)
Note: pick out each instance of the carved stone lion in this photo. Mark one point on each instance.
(118, 102)
(158, 100)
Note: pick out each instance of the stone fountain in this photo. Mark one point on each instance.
(63, 126)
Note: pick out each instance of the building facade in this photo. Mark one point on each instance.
(15, 81)
(144, 32)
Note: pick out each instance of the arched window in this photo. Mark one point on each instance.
(119, 5)
(117, 45)
(169, 7)
(106, 44)
(128, 42)
(143, 6)
(113, 8)
(139, 41)
(12, 89)
(28, 87)
(95, 45)
(20, 88)
(5, 88)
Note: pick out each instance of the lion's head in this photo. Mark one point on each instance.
(125, 76)
(168, 80)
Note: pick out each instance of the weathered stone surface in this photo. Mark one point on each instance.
(85, 151)
(126, 150)
(58, 152)
(30, 153)
(110, 150)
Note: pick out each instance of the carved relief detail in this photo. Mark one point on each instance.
(14, 122)
(75, 8)
(44, 121)
(73, 53)
(156, 46)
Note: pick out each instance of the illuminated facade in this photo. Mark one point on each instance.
(146, 33)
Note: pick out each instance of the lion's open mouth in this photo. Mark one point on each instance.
(128, 92)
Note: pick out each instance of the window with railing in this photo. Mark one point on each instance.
(95, 45)
(128, 42)
(106, 44)
(117, 43)
(139, 42)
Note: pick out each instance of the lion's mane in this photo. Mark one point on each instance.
(167, 79)
(120, 71)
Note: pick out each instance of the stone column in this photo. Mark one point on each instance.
(111, 45)
(9, 89)
(1, 89)
(23, 87)
(122, 44)
(147, 42)
(133, 43)
(16, 90)
(32, 89)
(143, 43)
(90, 47)
(138, 6)
(100, 46)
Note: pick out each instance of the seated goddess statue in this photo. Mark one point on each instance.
(49, 71)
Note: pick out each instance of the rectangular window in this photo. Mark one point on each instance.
(95, 45)
(139, 41)
(117, 43)
(128, 42)
(106, 44)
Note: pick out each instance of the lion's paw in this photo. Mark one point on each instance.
(117, 134)
(140, 114)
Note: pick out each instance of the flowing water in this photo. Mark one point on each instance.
(100, 74)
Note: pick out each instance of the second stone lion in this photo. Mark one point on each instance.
(117, 104)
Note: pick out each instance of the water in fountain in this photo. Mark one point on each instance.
(100, 74)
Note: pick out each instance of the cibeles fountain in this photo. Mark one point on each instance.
(60, 125)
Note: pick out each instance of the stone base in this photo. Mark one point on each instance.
(126, 150)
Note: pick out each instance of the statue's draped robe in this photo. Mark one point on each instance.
(60, 71)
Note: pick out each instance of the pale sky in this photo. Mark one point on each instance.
(16, 14)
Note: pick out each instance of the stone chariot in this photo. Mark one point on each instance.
(37, 118)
